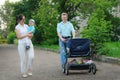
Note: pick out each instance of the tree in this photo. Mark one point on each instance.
(6, 11)
(47, 15)
(46, 21)
(25, 7)
(115, 21)
(100, 25)
(98, 29)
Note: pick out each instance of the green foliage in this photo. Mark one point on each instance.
(16, 41)
(6, 11)
(3, 33)
(116, 28)
(46, 21)
(87, 7)
(115, 21)
(110, 49)
(98, 29)
(25, 7)
(11, 37)
(3, 41)
(47, 14)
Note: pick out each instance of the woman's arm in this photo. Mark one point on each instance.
(20, 36)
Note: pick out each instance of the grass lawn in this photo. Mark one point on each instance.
(112, 49)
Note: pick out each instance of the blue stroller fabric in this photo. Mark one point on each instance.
(79, 47)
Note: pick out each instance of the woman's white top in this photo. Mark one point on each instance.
(23, 31)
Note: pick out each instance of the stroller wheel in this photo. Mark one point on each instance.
(67, 69)
(63, 69)
(90, 68)
(93, 68)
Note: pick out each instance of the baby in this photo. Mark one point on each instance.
(30, 30)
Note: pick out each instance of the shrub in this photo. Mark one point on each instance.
(15, 41)
(50, 41)
(110, 49)
(46, 23)
(3, 41)
(98, 30)
(11, 37)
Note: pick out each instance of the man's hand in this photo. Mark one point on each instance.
(63, 39)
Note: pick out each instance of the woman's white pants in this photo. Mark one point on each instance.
(26, 57)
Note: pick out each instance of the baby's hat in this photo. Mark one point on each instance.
(32, 20)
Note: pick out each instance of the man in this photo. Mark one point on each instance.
(65, 31)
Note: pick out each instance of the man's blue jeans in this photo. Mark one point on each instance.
(63, 46)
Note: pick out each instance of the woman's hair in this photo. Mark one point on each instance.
(19, 18)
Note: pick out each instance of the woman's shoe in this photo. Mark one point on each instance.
(24, 75)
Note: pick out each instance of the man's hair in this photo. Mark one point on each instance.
(64, 13)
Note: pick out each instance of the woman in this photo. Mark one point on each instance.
(22, 35)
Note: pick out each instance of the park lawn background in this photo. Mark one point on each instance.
(111, 49)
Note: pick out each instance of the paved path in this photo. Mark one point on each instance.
(47, 67)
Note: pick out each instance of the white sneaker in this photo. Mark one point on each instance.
(30, 74)
(24, 75)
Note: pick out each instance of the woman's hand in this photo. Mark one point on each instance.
(30, 35)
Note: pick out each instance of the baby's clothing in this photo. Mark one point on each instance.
(30, 29)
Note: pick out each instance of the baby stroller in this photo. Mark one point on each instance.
(79, 48)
